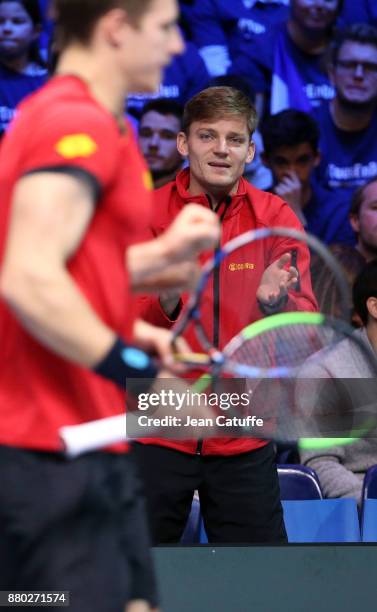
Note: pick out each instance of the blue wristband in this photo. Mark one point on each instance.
(124, 362)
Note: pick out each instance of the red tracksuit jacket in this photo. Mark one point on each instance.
(235, 286)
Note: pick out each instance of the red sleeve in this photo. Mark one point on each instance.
(149, 309)
(303, 298)
(81, 137)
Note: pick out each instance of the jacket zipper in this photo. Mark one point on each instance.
(216, 295)
(216, 280)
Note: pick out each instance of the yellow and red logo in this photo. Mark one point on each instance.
(76, 145)
(236, 267)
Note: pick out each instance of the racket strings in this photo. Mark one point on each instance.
(288, 346)
(301, 405)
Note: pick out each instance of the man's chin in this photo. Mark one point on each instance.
(10, 53)
(220, 177)
(147, 84)
(370, 248)
(357, 104)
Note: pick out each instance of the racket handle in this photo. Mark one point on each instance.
(79, 439)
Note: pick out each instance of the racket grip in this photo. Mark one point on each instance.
(79, 439)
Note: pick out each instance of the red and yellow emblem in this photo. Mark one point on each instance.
(76, 145)
(236, 267)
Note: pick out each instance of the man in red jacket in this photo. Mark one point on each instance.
(236, 478)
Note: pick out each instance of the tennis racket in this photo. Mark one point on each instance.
(271, 355)
(293, 390)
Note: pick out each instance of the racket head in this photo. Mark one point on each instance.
(312, 380)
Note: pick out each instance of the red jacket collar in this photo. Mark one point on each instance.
(232, 207)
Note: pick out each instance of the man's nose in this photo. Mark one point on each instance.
(7, 27)
(154, 140)
(221, 146)
(359, 71)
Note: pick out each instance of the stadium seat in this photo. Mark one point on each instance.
(298, 482)
(316, 521)
(308, 517)
(369, 521)
(321, 520)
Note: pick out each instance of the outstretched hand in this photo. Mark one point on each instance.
(276, 281)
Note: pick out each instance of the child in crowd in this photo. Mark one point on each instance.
(22, 69)
(291, 151)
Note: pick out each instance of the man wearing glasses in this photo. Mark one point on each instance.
(348, 124)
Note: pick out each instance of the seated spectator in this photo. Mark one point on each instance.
(288, 67)
(219, 28)
(324, 288)
(291, 152)
(363, 218)
(360, 11)
(184, 77)
(160, 123)
(348, 124)
(22, 70)
(341, 469)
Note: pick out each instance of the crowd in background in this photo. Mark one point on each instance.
(314, 56)
(314, 59)
(309, 66)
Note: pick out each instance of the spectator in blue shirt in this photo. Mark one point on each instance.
(220, 26)
(348, 124)
(288, 66)
(183, 78)
(291, 152)
(22, 70)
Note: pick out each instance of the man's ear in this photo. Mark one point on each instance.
(372, 307)
(355, 223)
(250, 152)
(115, 25)
(182, 144)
